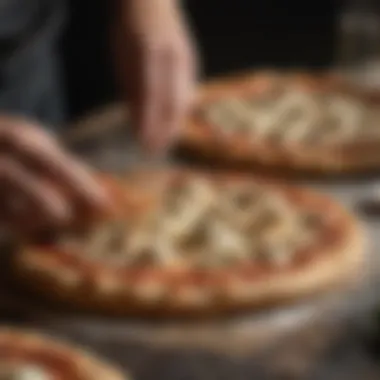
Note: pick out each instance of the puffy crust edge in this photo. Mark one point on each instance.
(113, 296)
(91, 367)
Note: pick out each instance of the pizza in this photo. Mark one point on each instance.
(206, 244)
(307, 122)
(29, 356)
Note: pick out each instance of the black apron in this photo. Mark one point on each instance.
(29, 77)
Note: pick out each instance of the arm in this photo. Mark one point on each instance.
(156, 66)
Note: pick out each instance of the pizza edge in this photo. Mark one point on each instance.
(259, 155)
(111, 295)
(202, 143)
(91, 366)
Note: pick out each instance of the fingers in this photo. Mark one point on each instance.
(28, 203)
(40, 184)
(155, 62)
(178, 89)
(167, 86)
(148, 105)
(42, 154)
(76, 179)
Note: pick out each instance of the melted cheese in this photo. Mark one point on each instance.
(295, 116)
(203, 225)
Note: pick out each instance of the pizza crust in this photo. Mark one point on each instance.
(56, 359)
(109, 295)
(192, 293)
(202, 141)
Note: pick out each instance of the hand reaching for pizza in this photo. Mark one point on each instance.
(156, 64)
(40, 184)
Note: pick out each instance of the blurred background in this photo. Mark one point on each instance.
(232, 35)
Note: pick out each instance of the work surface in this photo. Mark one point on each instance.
(327, 338)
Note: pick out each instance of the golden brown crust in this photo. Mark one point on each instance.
(156, 292)
(203, 142)
(60, 360)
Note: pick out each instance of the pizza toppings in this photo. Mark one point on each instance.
(291, 115)
(209, 244)
(204, 224)
(22, 371)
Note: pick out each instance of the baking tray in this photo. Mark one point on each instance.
(301, 340)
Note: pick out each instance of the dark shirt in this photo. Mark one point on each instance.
(29, 77)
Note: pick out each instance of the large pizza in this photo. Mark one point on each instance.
(312, 122)
(204, 244)
(28, 356)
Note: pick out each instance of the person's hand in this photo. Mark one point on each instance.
(41, 186)
(156, 64)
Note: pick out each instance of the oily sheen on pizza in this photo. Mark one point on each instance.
(29, 356)
(205, 244)
(312, 122)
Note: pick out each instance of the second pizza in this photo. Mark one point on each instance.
(25, 355)
(207, 244)
(298, 121)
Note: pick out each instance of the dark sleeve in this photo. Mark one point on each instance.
(29, 68)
